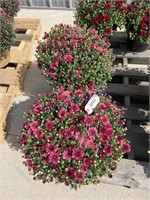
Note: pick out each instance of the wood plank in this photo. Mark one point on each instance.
(3, 88)
(131, 90)
(135, 113)
(2, 117)
(5, 101)
(26, 23)
(140, 72)
(19, 56)
(139, 129)
(10, 77)
(125, 53)
(24, 37)
(131, 174)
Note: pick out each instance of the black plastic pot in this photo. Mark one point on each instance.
(137, 46)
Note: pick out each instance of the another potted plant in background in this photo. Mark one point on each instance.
(75, 58)
(103, 15)
(11, 7)
(137, 25)
(6, 38)
(61, 142)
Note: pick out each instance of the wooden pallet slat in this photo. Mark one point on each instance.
(140, 72)
(12, 75)
(125, 53)
(130, 88)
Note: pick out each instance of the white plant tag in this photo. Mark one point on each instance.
(92, 103)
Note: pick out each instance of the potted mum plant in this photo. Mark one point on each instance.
(62, 142)
(137, 25)
(75, 58)
(11, 7)
(6, 38)
(103, 15)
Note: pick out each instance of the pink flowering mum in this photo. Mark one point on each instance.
(62, 113)
(49, 125)
(88, 120)
(64, 143)
(68, 58)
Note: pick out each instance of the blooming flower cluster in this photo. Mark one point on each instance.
(6, 33)
(103, 15)
(61, 142)
(11, 7)
(73, 58)
(137, 25)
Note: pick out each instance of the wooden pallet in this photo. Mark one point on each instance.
(130, 88)
(12, 75)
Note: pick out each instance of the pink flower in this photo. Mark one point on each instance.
(88, 120)
(41, 149)
(60, 90)
(79, 176)
(29, 164)
(68, 58)
(54, 158)
(65, 95)
(24, 139)
(102, 156)
(49, 125)
(62, 114)
(53, 65)
(34, 125)
(105, 120)
(78, 72)
(74, 107)
(93, 31)
(38, 134)
(119, 140)
(92, 132)
(67, 155)
(104, 138)
(1, 10)
(37, 110)
(126, 148)
(69, 133)
(144, 26)
(88, 161)
(91, 85)
(106, 18)
(74, 42)
(62, 133)
(71, 173)
(86, 141)
(117, 111)
(50, 148)
(108, 31)
(77, 153)
(78, 92)
(78, 136)
(109, 133)
(108, 150)
(107, 6)
(104, 52)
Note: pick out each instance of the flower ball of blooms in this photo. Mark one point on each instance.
(6, 33)
(11, 7)
(75, 58)
(62, 142)
(103, 15)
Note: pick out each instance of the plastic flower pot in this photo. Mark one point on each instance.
(136, 45)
